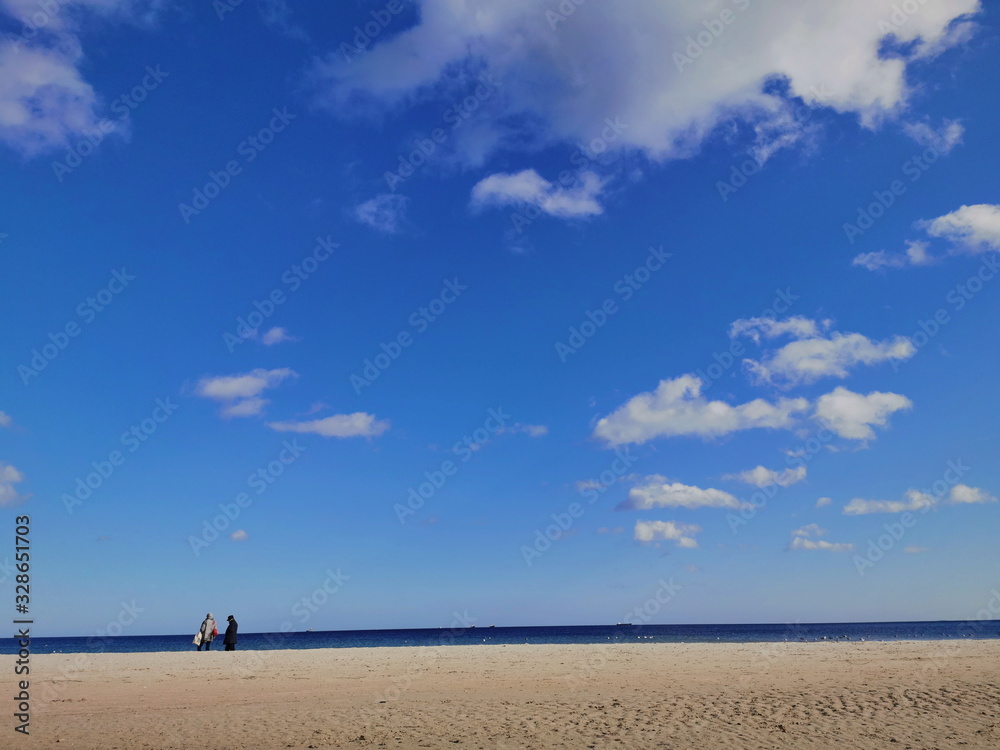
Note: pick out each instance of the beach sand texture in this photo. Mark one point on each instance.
(939, 694)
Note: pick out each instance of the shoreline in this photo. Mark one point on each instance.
(777, 694)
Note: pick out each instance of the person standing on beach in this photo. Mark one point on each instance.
(207, 631)
(230, 639)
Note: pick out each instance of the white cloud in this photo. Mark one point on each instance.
(5, 419)
(973, 229)
(823, 502)
(653, 531)
(657, 492)
(358, 424)
(915, 500)
(677, 407)
(45, 103)
(802, 539)
(228, 387)
(239, 536)
(915, 255)
(241, 393)
(9, 476)
(528, 188)
(246, 407)
(276, 335)
(962, 493)
(764, 477)
(912, 549)
(531, 430)
(277, 15)
(942, 140)
(814, 354)
(852, 415)
(797, 327)
(560, 77)
(384, 213)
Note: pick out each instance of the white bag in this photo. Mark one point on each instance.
(197, 638)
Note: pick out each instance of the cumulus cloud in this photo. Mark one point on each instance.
(764, 477)
(655, 531)
(45, 102)
(962, 493)
(245, 407)
(657, 492)
(358, 424)
(804, 538)
(915, 500)
(958, 494)
(562, 77)
(797, 327)
(5, 419)
(823, 502)
(275, 335)
(915, 255)
(677, 407)
(240, 394)
(972, 229)
(9, 476)
(384, 213)
(528, 188)
(815, 352)
(239, 536)
(852, 415)
(941, 140)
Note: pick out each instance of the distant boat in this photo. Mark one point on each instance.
(492, 626)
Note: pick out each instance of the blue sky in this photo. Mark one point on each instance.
(520, 313)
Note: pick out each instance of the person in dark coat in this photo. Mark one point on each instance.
(230, 638)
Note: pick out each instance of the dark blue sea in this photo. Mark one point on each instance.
(486, 636)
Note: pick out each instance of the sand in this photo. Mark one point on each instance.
(780, 695)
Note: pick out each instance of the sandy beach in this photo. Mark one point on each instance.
(778, 695)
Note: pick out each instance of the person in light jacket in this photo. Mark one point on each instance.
(206, 630)
(230, 639)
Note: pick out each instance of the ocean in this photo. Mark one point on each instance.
(486, 636)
